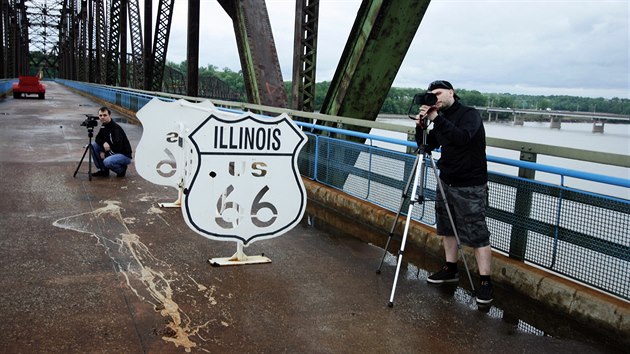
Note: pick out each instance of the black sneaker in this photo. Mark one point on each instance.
(101, 173)
(445, 275)
(123, 173)
(484, 293)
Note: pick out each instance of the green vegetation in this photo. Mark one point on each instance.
(399, 99)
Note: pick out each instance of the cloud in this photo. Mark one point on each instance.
(560, 47)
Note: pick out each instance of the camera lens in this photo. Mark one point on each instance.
(426, 99)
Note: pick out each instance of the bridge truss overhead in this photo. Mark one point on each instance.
(87, 40)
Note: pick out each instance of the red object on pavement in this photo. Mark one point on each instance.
(29, 85)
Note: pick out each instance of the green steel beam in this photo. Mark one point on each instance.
(376, 47)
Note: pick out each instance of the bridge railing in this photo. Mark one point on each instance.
(6, 85)
(579, 234)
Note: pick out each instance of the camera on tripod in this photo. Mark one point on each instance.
(90, 122)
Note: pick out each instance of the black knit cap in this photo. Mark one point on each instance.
(441, 84)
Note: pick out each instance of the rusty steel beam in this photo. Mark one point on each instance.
(257, 51)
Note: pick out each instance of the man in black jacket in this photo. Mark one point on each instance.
(458, 129)
(111, 147)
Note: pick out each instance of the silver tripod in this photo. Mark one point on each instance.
(419, 181)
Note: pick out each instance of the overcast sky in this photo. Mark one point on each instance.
(540, 47)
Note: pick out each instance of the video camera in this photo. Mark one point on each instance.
(90, 122)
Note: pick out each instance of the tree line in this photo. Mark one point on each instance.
(399, 99)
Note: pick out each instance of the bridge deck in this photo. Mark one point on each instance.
(97, 267)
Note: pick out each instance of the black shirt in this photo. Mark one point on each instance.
(115, 136)
(460, 132)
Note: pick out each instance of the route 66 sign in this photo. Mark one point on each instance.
(160, 155)
(245, 184)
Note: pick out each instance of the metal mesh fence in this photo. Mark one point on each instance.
(578, 234)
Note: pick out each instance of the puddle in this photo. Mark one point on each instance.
(522, 313)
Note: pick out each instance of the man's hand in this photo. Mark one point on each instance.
(429, 112)
(106, 146)
(426, 112)
(102, 154)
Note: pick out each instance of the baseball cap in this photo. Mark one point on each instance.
(441, 84)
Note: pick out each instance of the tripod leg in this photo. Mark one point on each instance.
(82, 157)
(450, 218)
(90, 161)
(412, 202)
(404, 196)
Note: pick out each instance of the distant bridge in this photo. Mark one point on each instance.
(555, 117)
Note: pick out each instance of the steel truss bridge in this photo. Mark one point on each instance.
(87, 40)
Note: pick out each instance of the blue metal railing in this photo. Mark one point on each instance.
(579, 234)
(6, 85)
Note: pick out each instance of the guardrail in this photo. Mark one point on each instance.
(579, 234)
(6, 85)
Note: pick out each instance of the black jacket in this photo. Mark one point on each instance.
(115, 136)
(459, 131)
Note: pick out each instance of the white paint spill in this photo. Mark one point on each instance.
(153, 277)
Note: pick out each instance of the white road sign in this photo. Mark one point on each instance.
(244, 184)
(160, 155)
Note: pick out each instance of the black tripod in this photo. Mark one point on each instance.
(89, 148)
(418, 196)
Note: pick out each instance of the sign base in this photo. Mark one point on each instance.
(175, 204)
(231, 261)
(239, 258)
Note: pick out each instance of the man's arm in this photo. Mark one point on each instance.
(100, 138)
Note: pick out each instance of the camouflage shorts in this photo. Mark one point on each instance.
(468, 208)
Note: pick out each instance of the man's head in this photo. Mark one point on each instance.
(104, 115)
(445, 93)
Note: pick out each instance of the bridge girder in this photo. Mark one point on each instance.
(135, 32)
(257, 51)
(376, 47)
(305, 54)
(160, 42)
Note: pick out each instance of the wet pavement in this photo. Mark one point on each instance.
(97, 266)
